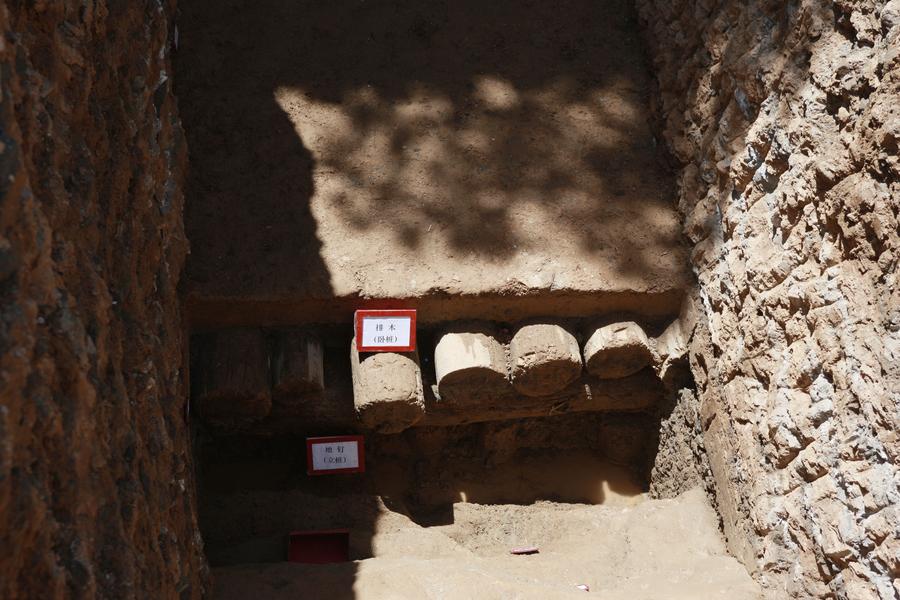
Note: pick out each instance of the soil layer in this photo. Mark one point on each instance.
(435, 152)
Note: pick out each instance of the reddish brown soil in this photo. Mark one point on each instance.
(96, 482)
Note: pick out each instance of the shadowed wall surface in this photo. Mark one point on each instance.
(96, 492)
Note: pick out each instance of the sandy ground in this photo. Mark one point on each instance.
(254, 491)
(655, 549)
(422, 150)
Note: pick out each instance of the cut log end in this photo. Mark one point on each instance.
(470, 366)
(387, 390)
(545, 359)
(617, 350)
(234, 377)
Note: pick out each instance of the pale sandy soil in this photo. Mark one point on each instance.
(650, 549)
(422, 150)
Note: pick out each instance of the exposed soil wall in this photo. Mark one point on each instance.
(784, 118)
(472, 160)
(95, 480)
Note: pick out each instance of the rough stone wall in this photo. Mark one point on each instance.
(681, 461)
(784, 118)
(95, 480)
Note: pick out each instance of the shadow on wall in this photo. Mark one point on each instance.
(480, 123)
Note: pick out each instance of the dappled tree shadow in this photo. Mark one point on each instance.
(430, 130)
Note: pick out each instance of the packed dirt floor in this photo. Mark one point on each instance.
(438, 510)
(478, 160)
(254, 490)
(654, 549)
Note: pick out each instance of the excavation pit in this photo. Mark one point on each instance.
(488, 163)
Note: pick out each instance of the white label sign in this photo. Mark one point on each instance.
(386, 332)
(335, 455)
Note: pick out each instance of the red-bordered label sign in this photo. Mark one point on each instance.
(385, 330)
(319, 547)
(335, 454)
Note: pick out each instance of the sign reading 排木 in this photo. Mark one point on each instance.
(335, 454)
(385, 330)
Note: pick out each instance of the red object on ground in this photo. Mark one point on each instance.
(317, 469)
(319, 547)
(361, 315)
(525, 550)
